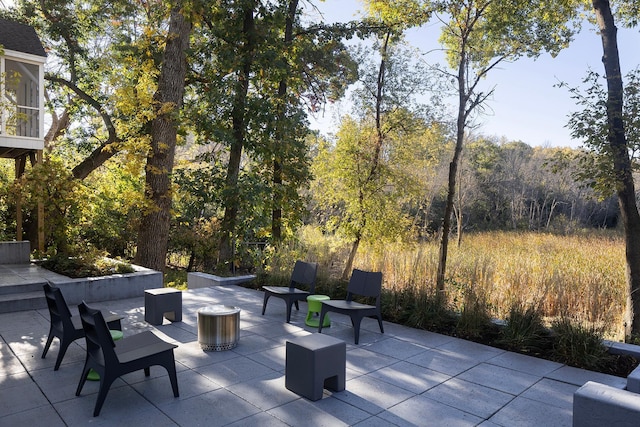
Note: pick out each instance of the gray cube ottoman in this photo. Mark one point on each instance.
(315, 362)
(162, 302)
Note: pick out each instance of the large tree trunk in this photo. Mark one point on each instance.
(621, 162)
(279, 140)
(154, 227)
(231, 194)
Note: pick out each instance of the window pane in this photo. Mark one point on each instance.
(21, 89)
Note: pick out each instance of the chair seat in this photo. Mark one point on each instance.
(141, 345)
(284, 290)
(348, 305)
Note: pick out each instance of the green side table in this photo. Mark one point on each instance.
(115, 335)
(314, 303)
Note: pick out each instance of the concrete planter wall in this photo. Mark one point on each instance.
(113, 287)
(204, 280)
(15, 252)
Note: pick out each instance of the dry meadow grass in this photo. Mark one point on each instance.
(580, 276)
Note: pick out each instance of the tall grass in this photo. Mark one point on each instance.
(583, 275)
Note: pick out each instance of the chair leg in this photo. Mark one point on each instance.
(380, 323)
(83, 379)
(296, 303)
(356, 326)
(323, 311)
(64, 344)
(170, 366)
(264, 303)
(105, 385)
(289, 304)
(48, 344)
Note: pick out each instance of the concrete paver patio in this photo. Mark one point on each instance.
(402, 377)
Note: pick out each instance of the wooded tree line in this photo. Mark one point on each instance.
(228, 84)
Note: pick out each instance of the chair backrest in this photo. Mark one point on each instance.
(304, 273)
(100, 345)
(58, 308)
(365, 283)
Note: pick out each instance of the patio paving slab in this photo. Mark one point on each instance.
(473, 398)
(551, 392)
(410, 377)
(499, 378)
(524, 363)
(523, 412)
(422, 411)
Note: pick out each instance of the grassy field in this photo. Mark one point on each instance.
(580, 276)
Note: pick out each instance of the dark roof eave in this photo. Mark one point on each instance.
(20, 38)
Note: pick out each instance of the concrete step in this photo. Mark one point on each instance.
(34, 286)
(22, 301)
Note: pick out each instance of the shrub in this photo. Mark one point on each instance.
(579, 345)
(524, 330)
(475, 319)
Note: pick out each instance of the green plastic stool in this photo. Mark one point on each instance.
(314, 303)
(115, 335)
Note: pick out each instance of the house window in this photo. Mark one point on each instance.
(21, 99)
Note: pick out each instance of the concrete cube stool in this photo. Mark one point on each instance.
(315, 362)
(596, 405)
(161, 302)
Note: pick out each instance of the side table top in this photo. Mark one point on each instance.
(218, 310)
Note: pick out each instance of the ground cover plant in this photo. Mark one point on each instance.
(89, 264)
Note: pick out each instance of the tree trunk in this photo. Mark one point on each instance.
(280, 136)
(621, 162)
(154, 227)
(453, 170)
(457, 211)
(231, 196)
(352, 255)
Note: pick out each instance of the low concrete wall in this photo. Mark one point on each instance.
(204, 280)
(597, 405)
(15, 252)
(633, 379)
(106, 288)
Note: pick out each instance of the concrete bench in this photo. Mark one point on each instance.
(596, 405)
(315, 362)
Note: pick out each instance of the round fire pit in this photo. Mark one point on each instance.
(218, 327)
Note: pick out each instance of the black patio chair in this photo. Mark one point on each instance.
(304, 273)
(362, 283)
(111, 360)
(64, 325)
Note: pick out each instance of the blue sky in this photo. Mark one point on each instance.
(525, 106)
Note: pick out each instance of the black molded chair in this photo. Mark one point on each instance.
(63, 325)
(362, 283)
(304, 273)
(111, 361)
